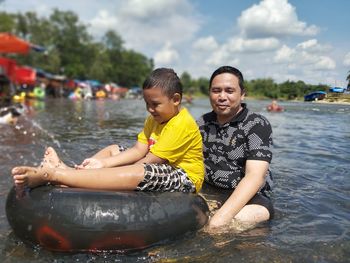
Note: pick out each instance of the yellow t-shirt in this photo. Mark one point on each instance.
(178, 141)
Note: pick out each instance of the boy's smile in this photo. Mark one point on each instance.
(159, 105)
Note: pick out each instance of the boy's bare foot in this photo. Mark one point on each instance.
(52, 160)
(31, 176)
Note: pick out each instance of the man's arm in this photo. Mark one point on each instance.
(246, 189)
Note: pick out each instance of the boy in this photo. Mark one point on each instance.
(167, 156)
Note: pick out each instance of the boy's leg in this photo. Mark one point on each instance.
(52, 160)
(108, 151)
(118, 178)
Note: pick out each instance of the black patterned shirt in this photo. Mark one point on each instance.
(227, 147)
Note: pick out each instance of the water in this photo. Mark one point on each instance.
(310, 168)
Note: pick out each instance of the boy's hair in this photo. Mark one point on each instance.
(166, 79)
(230, 70)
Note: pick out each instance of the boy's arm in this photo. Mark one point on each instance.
(254, 178)
(151, 158)
(130, 156)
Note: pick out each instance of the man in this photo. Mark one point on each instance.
(237, 151)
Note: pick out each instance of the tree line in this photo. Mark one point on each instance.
(72, 51)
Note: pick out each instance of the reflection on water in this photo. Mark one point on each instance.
(310, 168)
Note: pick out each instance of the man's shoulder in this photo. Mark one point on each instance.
(205, 118)
(256, 116)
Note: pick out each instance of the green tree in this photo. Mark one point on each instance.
(7, 22)
(201, 86)
(186, 82)
(262, 88)
(133, 69)
(71, 39)
(113, 44)
(99, 64)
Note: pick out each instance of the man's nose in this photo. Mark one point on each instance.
(222, 95)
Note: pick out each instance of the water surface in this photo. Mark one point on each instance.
(310, 167)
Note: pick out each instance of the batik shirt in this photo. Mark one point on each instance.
(227, 147)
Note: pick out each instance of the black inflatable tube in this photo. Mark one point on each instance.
(80, 220)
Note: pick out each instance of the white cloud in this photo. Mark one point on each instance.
(102, 22)
(147, 25)
(303, 56)
(205, 44)
(166, 56)
(284, 54)
(312, 45)
(273, 18)
(346, 61)
(222, 56)
(324, 63)
(239, 44)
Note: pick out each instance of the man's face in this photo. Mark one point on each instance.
(225, 96)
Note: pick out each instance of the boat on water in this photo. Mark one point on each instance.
(315, 96)
(337, 90)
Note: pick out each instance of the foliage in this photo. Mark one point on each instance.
(186, 82)
(71, 50)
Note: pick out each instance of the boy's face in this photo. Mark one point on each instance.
(159, 105)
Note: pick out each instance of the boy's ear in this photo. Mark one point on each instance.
(177, 98)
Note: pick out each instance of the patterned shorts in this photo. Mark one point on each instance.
(163, 177)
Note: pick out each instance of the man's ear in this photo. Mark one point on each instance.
(243, 95)
(177, 99)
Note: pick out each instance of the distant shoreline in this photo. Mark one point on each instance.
(340, 102)
(324, 101)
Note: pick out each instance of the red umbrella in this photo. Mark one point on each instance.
(11, 44)
(24, 75)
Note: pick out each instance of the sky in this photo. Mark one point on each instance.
(306, 40)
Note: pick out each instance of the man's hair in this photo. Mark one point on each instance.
(166, 79)
(230, 70)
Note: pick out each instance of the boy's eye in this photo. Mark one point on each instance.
(152, 104)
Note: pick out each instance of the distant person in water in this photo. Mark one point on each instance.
(166, 157)
(274, 106)
(237, 152)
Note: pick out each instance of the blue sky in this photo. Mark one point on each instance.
(280, 39)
